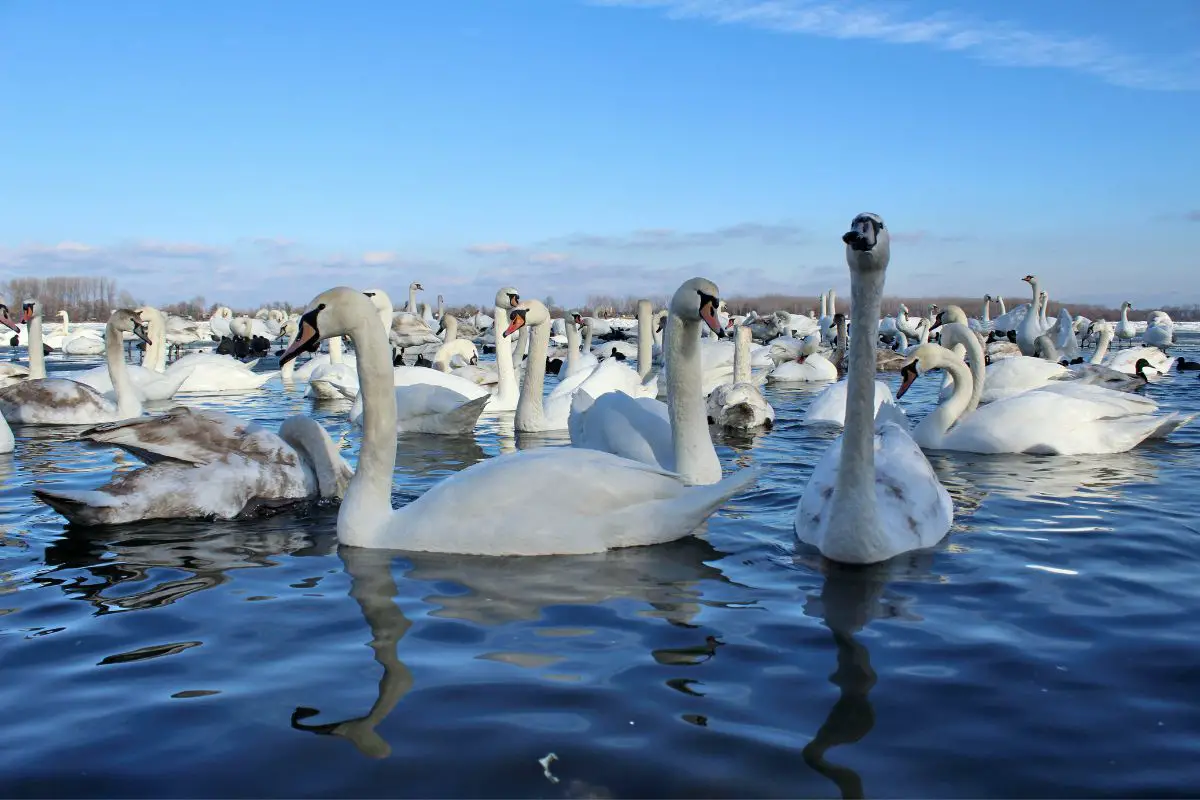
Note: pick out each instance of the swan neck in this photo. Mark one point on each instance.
(507, 384)
(531, 413)
(587, 340)
(935, 426)
(854, 499)
(824, 305)
(37, 358)
(114, 352)
(335, 350)
(987, 310)
(1125, 314)
(572, 348)
(412, 301)
(832, 302)
(976, 361)
(741, 355)
(367, 505)
(1102, 346)
(66, 323)
(645, 338)
(695, 455)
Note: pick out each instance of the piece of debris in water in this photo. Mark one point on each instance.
(546, 761)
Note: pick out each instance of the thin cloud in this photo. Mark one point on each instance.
(1192, 216)
(1002, 44)
(925, 237)
(492, 249)
(670, 239)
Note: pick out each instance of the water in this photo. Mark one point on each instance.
(1048, 647)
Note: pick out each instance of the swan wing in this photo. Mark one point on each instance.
(185, 435)
(53, 401)
(633, 428)
(600, 502)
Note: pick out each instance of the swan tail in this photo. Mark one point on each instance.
(679, 516)
(82, 507)
(459, 420)
(1170, 424)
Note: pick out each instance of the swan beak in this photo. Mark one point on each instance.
(4, 318)
(909, 374)
(706, 314)
(26, 313)
(139, 330)
(309, 339)
(516, 322)
(1028, 279)
(937, 322)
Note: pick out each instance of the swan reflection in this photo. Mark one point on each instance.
(849, 599)
(500, 591)
(1020, 476)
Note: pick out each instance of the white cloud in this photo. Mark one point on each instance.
(492, 249)
(998, 43)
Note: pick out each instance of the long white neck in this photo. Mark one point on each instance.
(37, 358)
(412, 300)
(741, 355)
(335, 350)
(853, 510)
(935, 425)
(645, 337)
(832, 302)
(960, 334)
(987, 310)
(451, 325)
(1037, 298)
(1102, 346)
(127, 403)
(66, 323)
(367, 506)
(658, 335)
(572, 348)
(286, 371)
(1125, 314)
(506, 388)
(530, 414)
(824, 304)
(158, 335)
(1003, 310)
(587, 340)
(695, 457)
(1045, 310)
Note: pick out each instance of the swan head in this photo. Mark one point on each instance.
(924, 358)
(380, 299)
(508, 297)
(948, 315)
(126, 320)
(529, 312)
(868, 243)
(416, 287)
(5, 319)
(29, 310)
(334, 312)
(697, 300)
(1126, 305)
(1030, 279)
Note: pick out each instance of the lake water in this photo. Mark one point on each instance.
(1050, 646)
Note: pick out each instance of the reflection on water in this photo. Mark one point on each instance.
(1053, 632)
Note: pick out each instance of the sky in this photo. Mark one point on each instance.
(253, 150)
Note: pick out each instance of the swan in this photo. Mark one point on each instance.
(83, 343)
(672, 435)
(497, 506)
(324, 379)
(740, 405)
(149, 385)
(872, 495)
(1032, 324)
(58, 401)
(409, 328)
(1127, 360)
(1126, 329)
(811, 366)
(829, 407)
(1160, 330)
(206, 465)
(1067, 418)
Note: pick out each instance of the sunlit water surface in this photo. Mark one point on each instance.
(1049, 646)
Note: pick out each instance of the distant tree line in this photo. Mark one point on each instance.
(83, 298)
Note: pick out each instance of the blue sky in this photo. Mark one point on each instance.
(251, 151)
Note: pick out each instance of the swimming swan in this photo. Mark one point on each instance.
(206, 465)
(872, 495)
(58, 401)
(497, 507)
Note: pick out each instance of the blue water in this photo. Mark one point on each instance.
(1050, 646)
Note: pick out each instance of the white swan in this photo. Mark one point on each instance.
(324, 379)
(1066, 418)
(149, 385)
(58, 401)
(1125, 329)
(810, 367)
(206, 465)
(739, 405)
(672, 435)
(872, 495)
(497, 507)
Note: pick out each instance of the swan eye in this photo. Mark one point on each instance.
(369, 294)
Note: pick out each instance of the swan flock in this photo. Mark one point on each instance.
(640, 402)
